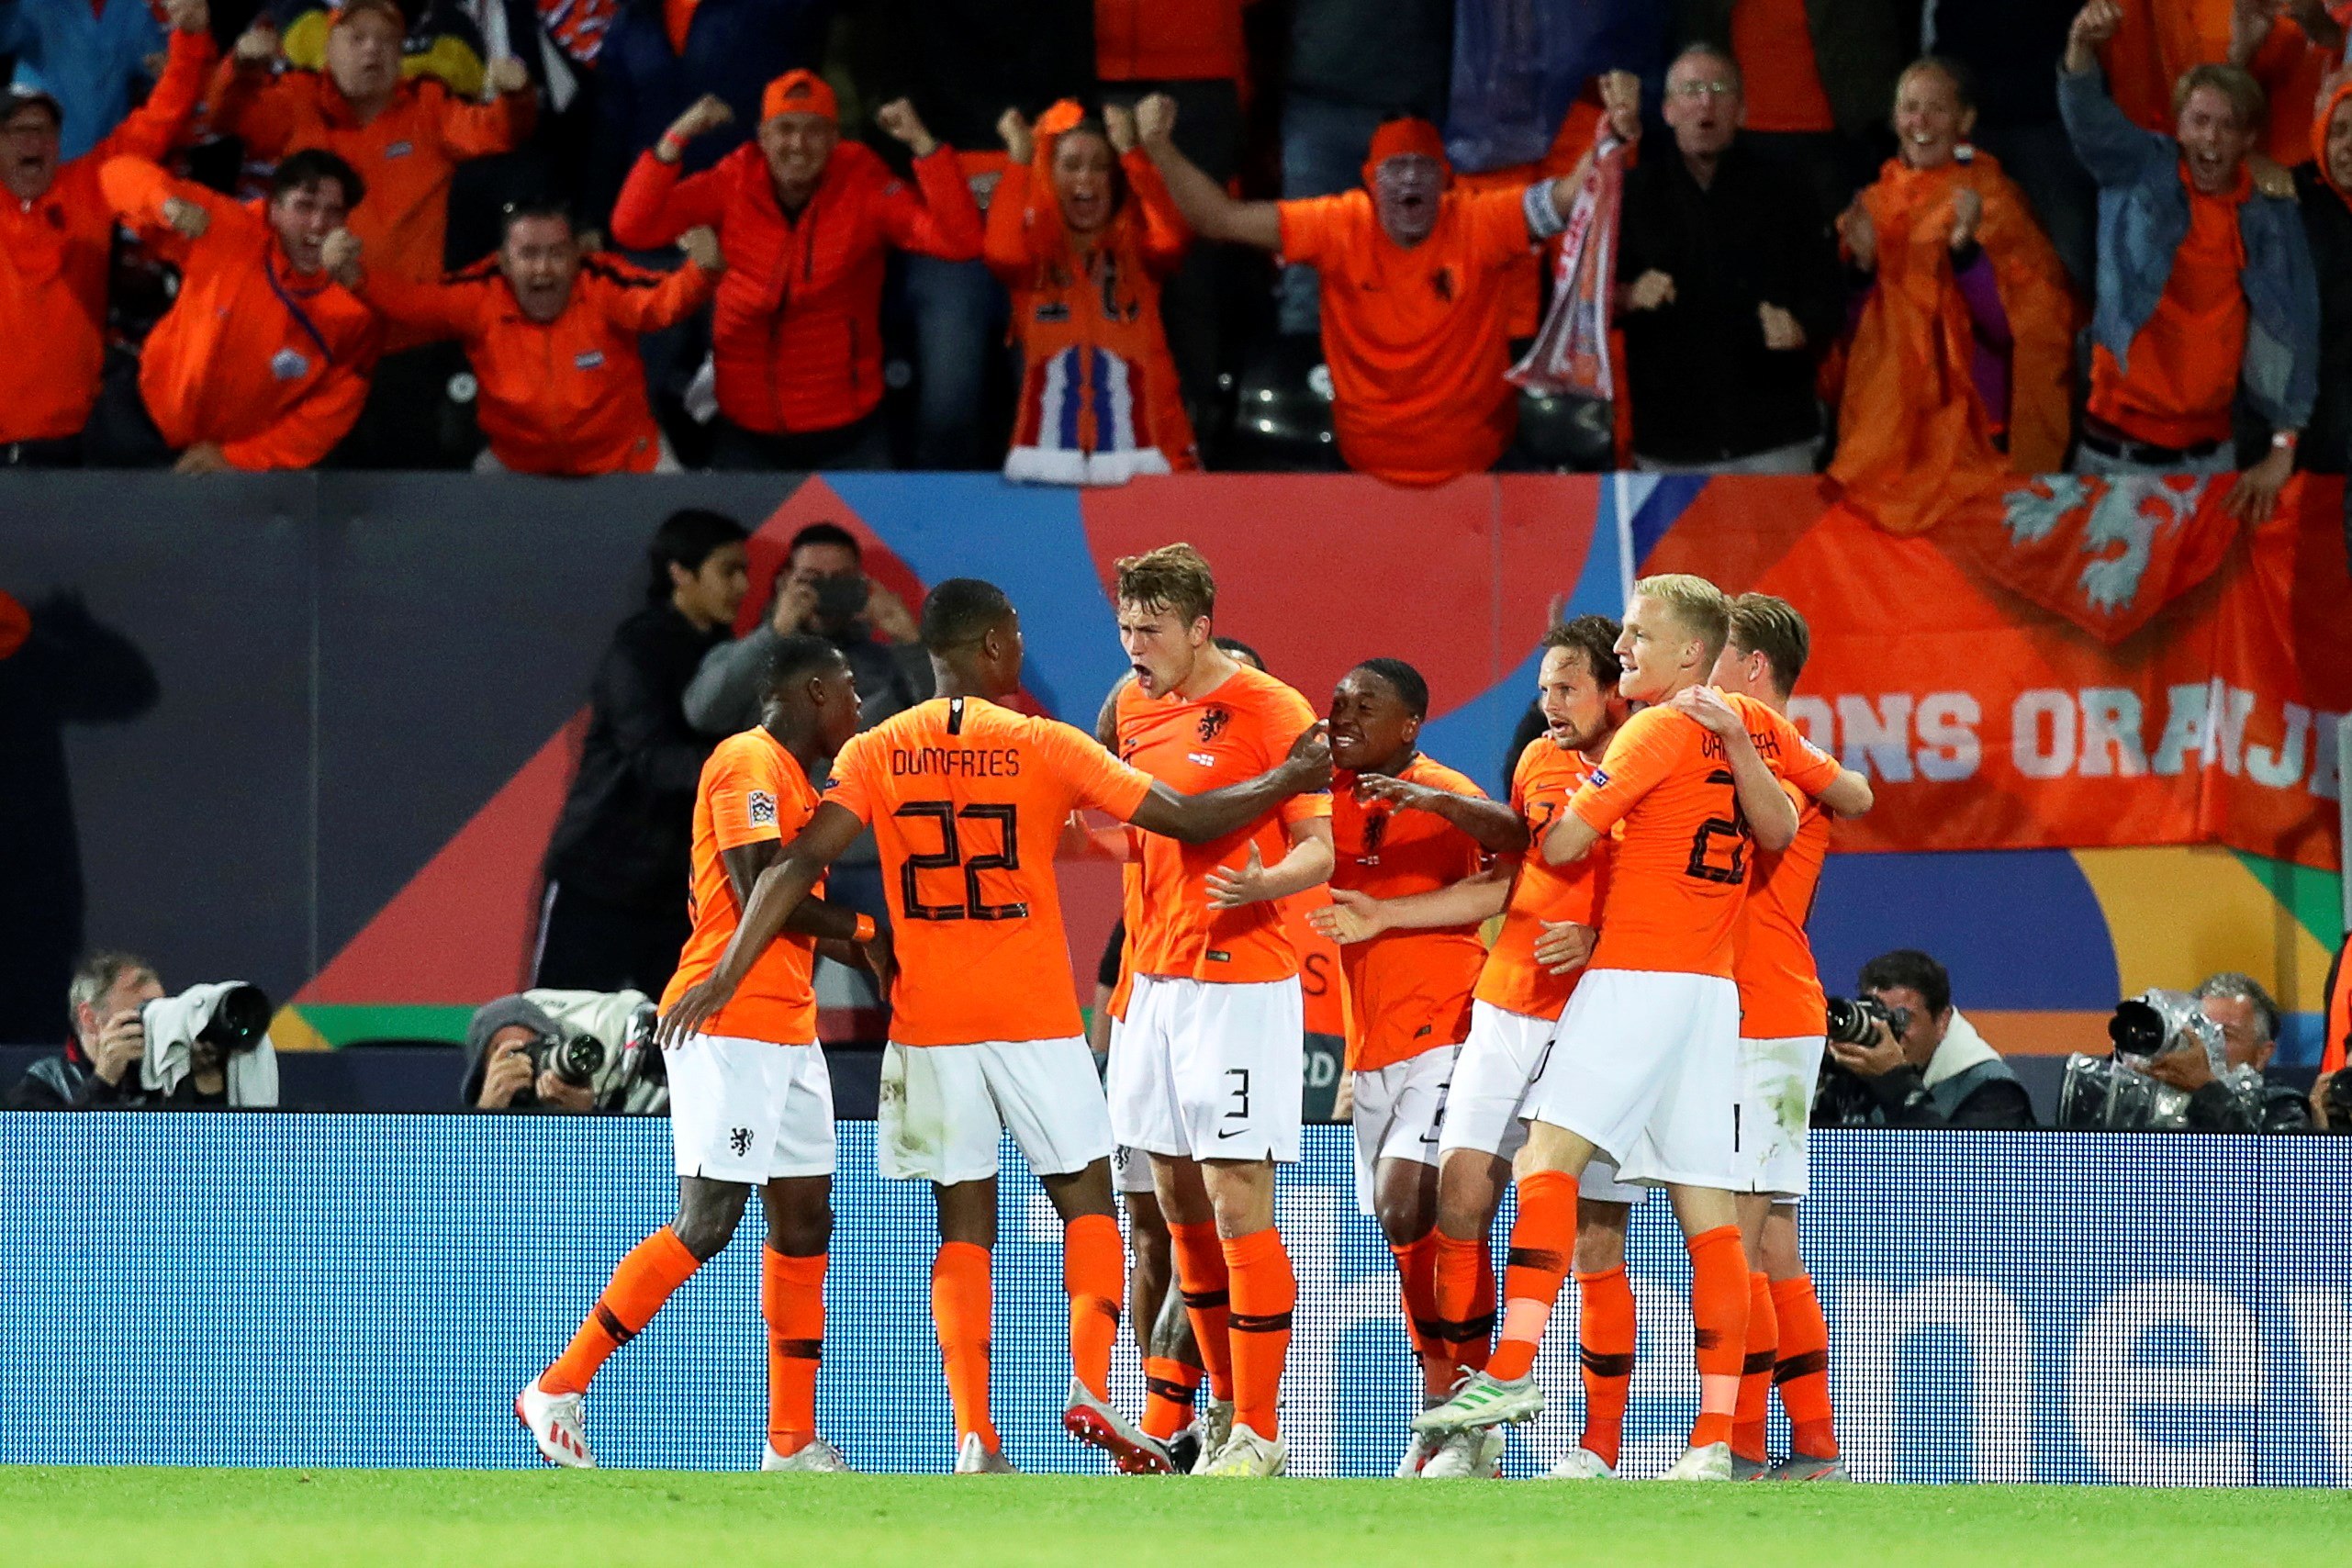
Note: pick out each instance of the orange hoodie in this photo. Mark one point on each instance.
(268, 362)
(53, 256)
(1100, 401)
(563, 397)
(406, 155)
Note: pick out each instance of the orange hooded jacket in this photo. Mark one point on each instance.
(563, 397)
(1915, 438)
(406, 155)
(1100, 401)
(796, 334)
(268, 362)
(53, 257)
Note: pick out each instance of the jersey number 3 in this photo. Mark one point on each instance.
(1718, 850)
(950, 854)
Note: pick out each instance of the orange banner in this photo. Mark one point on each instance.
(2094, 665)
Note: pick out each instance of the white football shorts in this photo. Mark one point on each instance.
(749, 1111)
(1210, 1069)
(946, 1109)
(1646, 1067)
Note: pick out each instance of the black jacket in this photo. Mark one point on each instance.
(1704, 386)
(65, 1082)
(1860, 47)
(2281, 1108)
(1901, 1099)
(628, 823)
(2326, 445)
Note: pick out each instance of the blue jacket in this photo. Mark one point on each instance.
(84, 59)
(734, 48)
(2143, 218)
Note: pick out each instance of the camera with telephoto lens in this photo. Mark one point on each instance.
(574, 1057)
(2117, 1094)
(1853, 1020)
(228, 1015)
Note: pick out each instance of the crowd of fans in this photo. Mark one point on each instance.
(1085, 240)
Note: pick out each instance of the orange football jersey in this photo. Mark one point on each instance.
(1541, 784)
(1408, 992)
(1780, 988)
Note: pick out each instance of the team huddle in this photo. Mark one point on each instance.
(1647, 1014)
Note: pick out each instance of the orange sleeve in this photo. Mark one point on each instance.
(249, 104)
(851, 785)
(656, 206)
(1166, 236)
(650, 307)
(436, 309)
(743, 796)
(1092, 774)
(1316, 229)
(136, 190)
(1498, 226)
(1638, 760)
(938, 216)
(1802, 763)
(1007, 244)
(157, 126)
(311, 428)
(478, 131)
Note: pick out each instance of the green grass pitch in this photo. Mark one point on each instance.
(127, 1519)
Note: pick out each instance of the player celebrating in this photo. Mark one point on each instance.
(1206, 1074)
(1781, 1043)
(750, 1100)
(1514, 1012)
(1646, 1064)
(1403, 825)
(968, 800)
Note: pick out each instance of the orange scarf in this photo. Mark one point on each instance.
(1914, 438)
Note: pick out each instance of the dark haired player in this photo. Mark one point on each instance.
(1402, 824)
(968, 800)
(750, 1100)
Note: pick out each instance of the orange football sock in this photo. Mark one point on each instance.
(1718, 1316)
(1543, 1241)
(1803, 1369)
(1755, 1373)
(1264, 1291)
(1605, 1345)
(1416, 1288)
(792, 1298)
(640, 1283)
(1202, 1279)
(961, 1303)
(1094, 1272)
(1169, 1386)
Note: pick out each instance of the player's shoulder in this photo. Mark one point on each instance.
(1255, 691)
(754, 747)
(1658, 724)
(1438, 776)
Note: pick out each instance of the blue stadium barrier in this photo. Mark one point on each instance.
(319, 1291)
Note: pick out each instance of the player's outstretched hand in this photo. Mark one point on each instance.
(1565, 947)
(1706, 704)
(1397, 792)
(1350, 916)
(1310, 757)
(1230, 887)
(691, 1011)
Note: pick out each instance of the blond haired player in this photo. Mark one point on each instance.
(1781, 1042)
(1206, 1074)
(1646, 1065)
(968, 800)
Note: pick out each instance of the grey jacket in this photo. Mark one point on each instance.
(2143, 219)
(724, 697)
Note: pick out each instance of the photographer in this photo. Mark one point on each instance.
(575, 1052)
(822, 592)
(1925, 1065)
(2248, 1020)
(107, 1064)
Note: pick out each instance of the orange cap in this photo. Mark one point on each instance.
(1405, 138)
(798, 92)
(351, 9)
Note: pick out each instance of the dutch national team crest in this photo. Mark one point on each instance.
(1213, 722)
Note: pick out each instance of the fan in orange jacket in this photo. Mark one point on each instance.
(1960, 368)
(806, 220)
(552, 337)
(1081, 232)
(262, 360)
(404, 138)
(56, 232)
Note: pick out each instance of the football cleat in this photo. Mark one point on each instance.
(1748, 1469)
(1712, 1463)
(1582, 1464)
(1807, 1467)
(1247, 1454)
(976, 1457)
(553, 1422)
(815, 1457)
(1481, 1401)
(1474, 1456)
(1184, 1450)
(1217, 1426)
(1421, 1448)
(1090, 1420)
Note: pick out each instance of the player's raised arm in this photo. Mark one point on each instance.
(1212, 814)
(1493, 826)
(779, 901)
(1352, 916)
(1772, 817)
